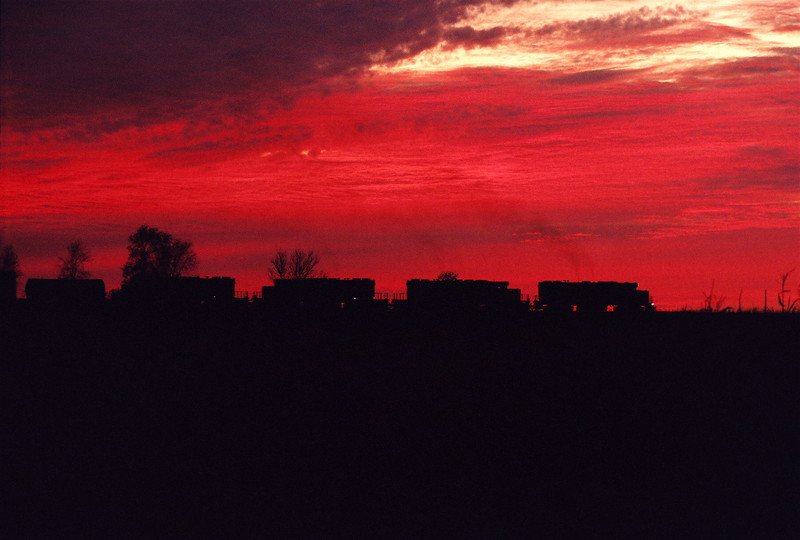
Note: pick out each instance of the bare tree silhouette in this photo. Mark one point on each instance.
(280, 265)
(153, 253)
(298, 264)
(447, 276)
(303, 264)
(73, 266)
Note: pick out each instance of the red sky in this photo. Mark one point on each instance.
(515, 141)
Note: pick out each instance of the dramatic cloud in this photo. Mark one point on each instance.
(135, 63)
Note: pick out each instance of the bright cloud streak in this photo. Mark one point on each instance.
(605, 35)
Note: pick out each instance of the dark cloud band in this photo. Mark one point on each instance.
(145, 61)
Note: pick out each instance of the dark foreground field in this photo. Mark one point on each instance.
(240, 424)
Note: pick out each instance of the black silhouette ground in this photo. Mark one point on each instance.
(236, 423)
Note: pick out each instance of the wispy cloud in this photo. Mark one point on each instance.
(620, 25)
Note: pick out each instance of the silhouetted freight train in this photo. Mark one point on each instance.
(588, 296)
(325, 294)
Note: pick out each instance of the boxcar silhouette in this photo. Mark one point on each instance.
(65, 292)
(180, 290)
(590, 296)
(462, 294)
(319, 293)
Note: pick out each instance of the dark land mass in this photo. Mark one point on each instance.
(234, 422)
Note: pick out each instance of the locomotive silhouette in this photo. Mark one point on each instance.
(592, 296)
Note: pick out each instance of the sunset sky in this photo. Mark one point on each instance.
(516, 141)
